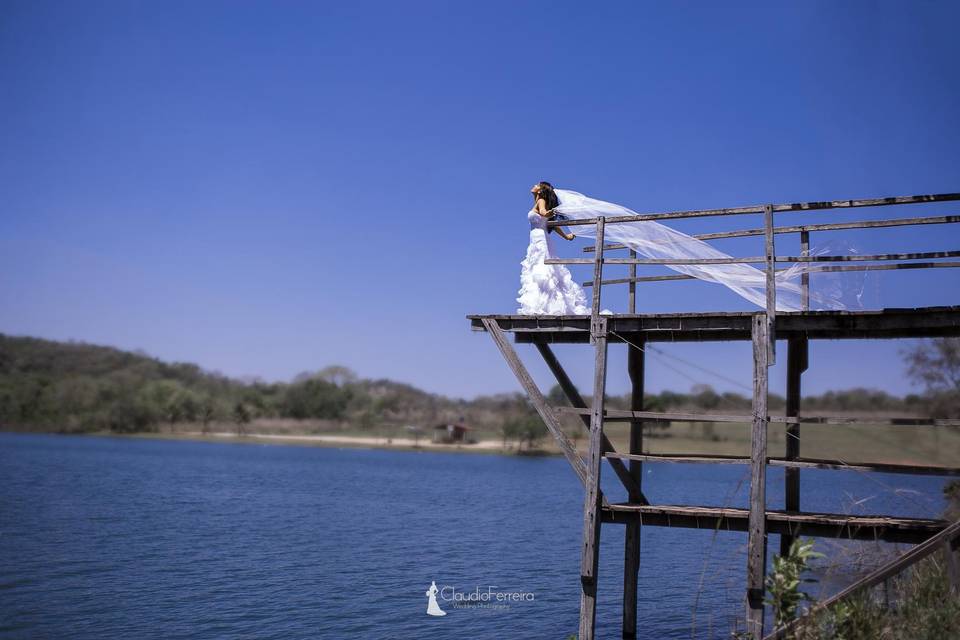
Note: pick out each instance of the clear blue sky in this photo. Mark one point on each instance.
(270, 187)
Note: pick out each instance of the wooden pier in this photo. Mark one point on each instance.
(763, 329)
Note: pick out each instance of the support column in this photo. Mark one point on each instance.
(590, 553)
(797, 350)
(631, 552)
(757, 525)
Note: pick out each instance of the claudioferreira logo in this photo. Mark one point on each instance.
(433, 609)
(480, 598)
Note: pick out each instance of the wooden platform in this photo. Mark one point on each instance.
(763, 329)
(922, 322)
(820, 525)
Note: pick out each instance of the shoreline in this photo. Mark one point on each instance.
(485, 447)
(668, 446)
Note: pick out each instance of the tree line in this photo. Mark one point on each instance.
(79, 387)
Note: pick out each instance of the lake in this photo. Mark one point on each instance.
(136, 538)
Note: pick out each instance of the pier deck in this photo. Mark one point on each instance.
(763, 329)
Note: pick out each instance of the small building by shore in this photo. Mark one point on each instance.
(456, 433)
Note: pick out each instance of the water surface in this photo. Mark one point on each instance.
(129, 538)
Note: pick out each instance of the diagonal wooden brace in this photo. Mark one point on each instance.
(536, 397)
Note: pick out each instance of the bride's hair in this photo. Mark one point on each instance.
(548, 194)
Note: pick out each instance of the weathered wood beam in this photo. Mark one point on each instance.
(757, 534)
(797, 360)
(597, 269)
(621, 415)
(777, 208)
(731, 260)
(953, 566)
(631, 547)
(892, 568)
(922, 255)
(885, 323)
(797, 463)
(805, 275)
(771, 286)
(693, 458)
(536, 397)
(573, 396)
(802, 228)
(590, 552)
(911, 421)
(658, 416)
(817, 525)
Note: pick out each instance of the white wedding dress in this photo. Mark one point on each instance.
(547, 289)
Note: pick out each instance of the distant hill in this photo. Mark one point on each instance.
(79, 387)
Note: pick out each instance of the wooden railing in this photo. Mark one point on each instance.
(769, 259)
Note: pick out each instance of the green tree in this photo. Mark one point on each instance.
(241, 417)
(783, 583)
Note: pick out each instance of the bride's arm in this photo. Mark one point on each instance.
(548, 213)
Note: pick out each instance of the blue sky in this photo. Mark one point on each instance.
(270, 187)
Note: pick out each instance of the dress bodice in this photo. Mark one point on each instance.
(537, 221)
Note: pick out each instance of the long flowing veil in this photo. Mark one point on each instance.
(657, 241)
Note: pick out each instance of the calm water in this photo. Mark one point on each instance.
(123, 538)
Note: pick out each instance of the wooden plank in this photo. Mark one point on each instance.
(806, 228)
(797, 354)
(878, 467)
(598, 270)
(805, 276)
(806, 272)
(880, 323)
(833, 226)
(573, 395)
(731, 260)
(777, 208)
(817, 525)
(797, 463)
(692, 458)
(757, 534)
(622, 415)
(953, 569)
(905, 421)
(771, 288)
(892, 568)
(922, 255)
(537, 399)
(631, 550)
(590, 552)
(659, 416)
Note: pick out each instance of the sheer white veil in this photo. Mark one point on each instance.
(654, 240)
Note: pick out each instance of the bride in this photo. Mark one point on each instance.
(547, 289)
(550, 289)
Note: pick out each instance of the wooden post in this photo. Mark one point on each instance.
(631, 552)
(771, 283)
(632, 296)
(797, 352)
(805, 276)
(757, 525)
(598, 270)
(953, 570)
(590, 556)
